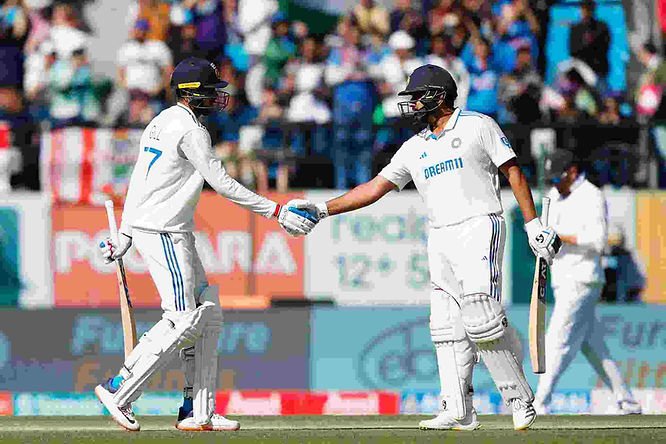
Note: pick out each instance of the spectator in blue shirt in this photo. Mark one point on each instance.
(484, 80)
(353, 105)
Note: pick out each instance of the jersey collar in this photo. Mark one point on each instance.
(180, 105)
(428, 134)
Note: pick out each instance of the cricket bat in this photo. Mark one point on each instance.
(537, 327)
(126, 310)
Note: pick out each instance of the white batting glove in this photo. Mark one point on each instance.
(544, 241)
(295, 221)
(319, 211)
(111, 252)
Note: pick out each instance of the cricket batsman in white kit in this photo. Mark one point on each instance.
(175, 158)
(454, 163)
(578, 213)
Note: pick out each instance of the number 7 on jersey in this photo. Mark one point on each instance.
(537, 325)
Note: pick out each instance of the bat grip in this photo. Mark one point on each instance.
(545, 209)
(111, 216)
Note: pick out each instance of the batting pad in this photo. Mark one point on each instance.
(483, 317)
(159, 346)
(205, 362)
(503, 359)
(455, 354)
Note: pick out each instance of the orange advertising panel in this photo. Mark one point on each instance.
(651, 242)
(249, 257)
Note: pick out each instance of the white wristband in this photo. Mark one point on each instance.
(322, 210)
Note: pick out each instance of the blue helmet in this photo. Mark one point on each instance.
(431, 85)
(198, 81)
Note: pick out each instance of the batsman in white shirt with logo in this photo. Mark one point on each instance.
(175, 158)
(454, 164)
(578, 213)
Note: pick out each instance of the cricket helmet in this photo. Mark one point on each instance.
(431, 85)
(198, 80)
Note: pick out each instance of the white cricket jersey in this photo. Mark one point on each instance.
(175, 157)
(582, 214)
(455, 172)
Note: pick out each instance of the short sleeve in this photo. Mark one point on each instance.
(495, 143)
(164, 54)
(397, 171)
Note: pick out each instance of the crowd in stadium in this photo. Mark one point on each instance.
(344, 81)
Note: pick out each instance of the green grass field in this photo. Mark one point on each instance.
(331, 429)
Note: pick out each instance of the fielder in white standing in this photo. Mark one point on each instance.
(454, 164)
(175, 158)
(578, 213)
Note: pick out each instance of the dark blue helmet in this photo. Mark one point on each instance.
(198, 81)
(431, 86)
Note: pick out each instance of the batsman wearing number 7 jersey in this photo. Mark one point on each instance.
(454, 164)
(175, 158)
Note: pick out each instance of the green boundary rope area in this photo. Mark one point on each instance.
(333, 429)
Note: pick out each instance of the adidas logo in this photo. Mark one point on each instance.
(484, 258)
(423, 155)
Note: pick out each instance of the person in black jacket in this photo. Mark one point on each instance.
(590, 40)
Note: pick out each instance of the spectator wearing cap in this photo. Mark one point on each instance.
(484, 80)
(145, 67)
(353, 104)
(590, 39)
(280, 48)
(443, 54)
(371, 17)
(72, 97)
(396, 68)
(520, 90)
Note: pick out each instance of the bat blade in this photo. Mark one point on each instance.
(537, 327)
(126, 309)
(537, 323)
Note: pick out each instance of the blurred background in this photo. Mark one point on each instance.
(313, 112)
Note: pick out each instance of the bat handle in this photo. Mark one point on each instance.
(113, 228)
(545, 209)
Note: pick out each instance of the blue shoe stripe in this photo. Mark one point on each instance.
(178, 273)
(173, 276)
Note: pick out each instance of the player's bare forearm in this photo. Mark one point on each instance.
(521, 190)
(361, 196)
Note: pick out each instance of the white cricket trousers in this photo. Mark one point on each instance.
(574, 327)
(174, 265)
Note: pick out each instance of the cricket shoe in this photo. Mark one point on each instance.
(123, 415)
(216, 423)
(524, 414)
(444, 421)
(629, 407)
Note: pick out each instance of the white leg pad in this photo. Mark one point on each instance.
(503, 359)
(455, 354)
(187, 355)
(205, 361)
(160, 345)
(483, 317)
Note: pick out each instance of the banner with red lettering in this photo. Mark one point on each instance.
(251, 258)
